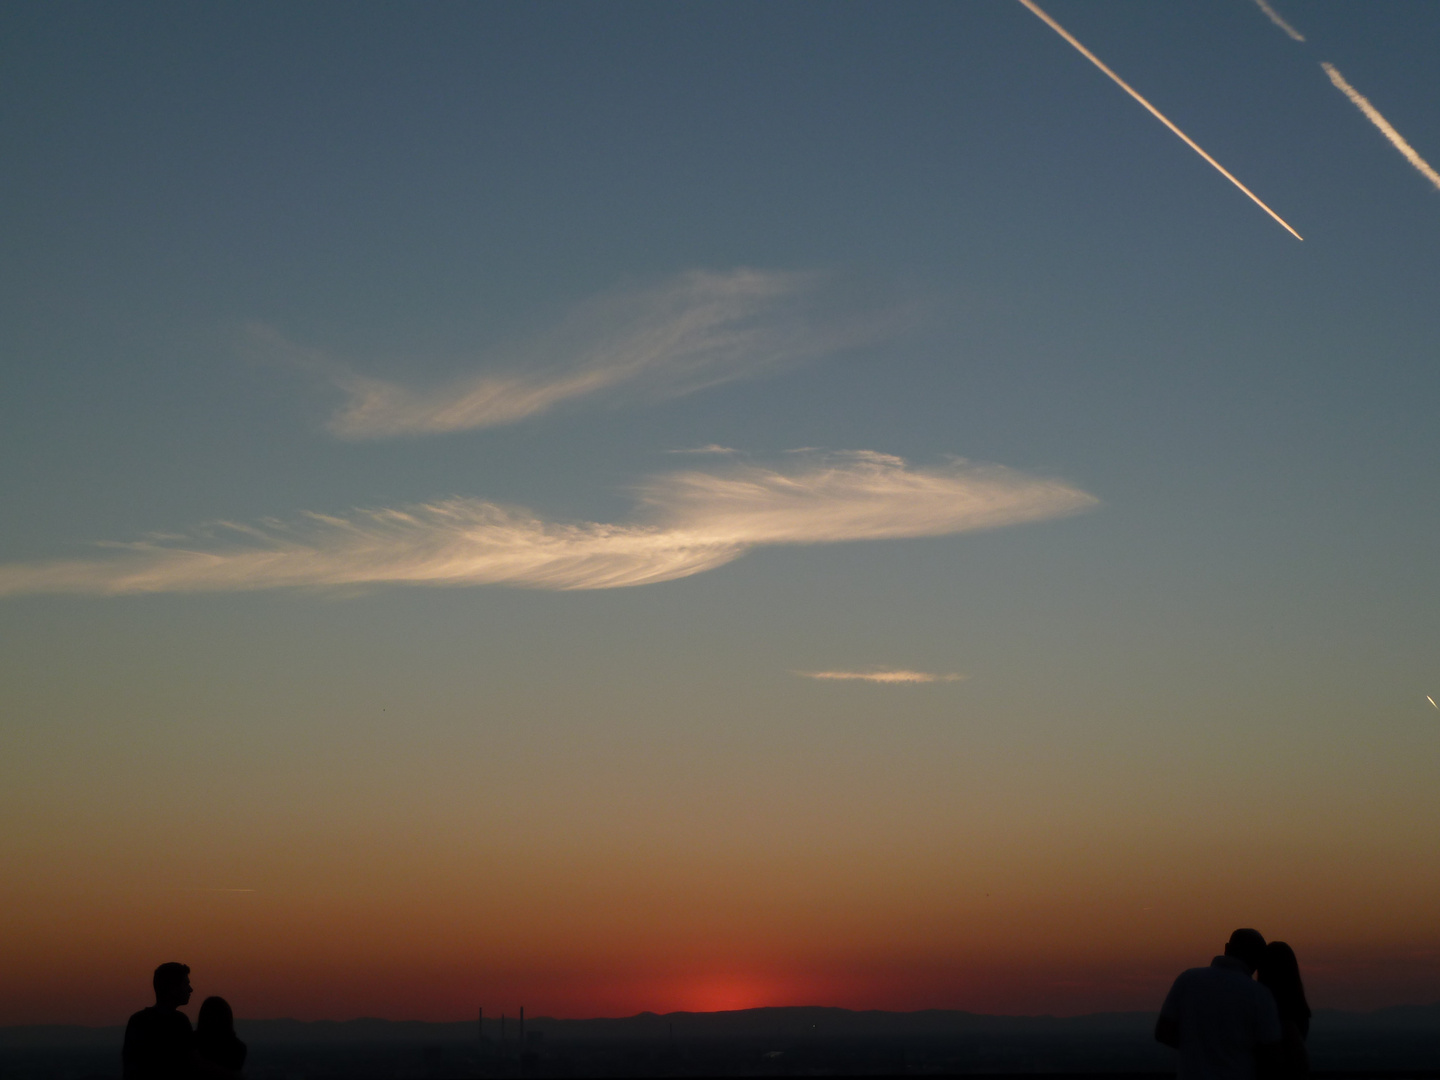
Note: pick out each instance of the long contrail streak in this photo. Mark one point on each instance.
(1155, 112)
(1373, 115)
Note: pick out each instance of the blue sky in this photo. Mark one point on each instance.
(1211, 552)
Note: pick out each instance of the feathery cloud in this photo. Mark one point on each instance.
(695, 331)
(690, 522)
(885, 676)
(1373, 115)
(1035, 10)
(1274, 17)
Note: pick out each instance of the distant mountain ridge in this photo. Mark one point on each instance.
(785, 1021)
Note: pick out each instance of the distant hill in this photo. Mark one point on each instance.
(789, 1023)
(749, 1042)
(1395, 1018)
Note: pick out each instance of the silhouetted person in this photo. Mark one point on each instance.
(159, 1044)
(1221, 1020)
(1279, 971)
(220, 1051)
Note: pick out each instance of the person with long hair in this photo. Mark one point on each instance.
(1279, 972)
(221, 1053)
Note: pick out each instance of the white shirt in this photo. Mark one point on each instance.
(1222, 1015)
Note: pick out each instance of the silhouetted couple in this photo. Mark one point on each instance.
(159, 1044)
(1228, 1025)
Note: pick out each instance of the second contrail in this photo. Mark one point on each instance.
(1035, 8)
(1274, 17)
(1372, 114)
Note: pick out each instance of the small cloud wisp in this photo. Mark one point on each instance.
(1372, 114)
(690, 522)
(897, 676)
(695, 331)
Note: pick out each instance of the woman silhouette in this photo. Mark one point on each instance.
(1280, 972)
(221, 1053)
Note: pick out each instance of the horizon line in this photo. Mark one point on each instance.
(495, 1018)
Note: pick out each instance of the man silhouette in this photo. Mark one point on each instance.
(159, 1044)
(1221, 1020)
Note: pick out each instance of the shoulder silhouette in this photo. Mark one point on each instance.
(1222, 1021)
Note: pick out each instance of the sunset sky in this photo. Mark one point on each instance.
(669, 506)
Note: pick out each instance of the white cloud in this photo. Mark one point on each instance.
(708, 448)
(690, 522)
(695, 331)
(891, 676)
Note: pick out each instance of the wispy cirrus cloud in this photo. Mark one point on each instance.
(697, 330)
(1361, 102)
(689, 522)
(887, 676)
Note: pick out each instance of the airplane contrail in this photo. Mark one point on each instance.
(1373, 115)
(1155, 112)
(1431, 700)
(202, 888)
(1274, 17)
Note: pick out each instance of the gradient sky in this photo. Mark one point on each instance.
(368, 643)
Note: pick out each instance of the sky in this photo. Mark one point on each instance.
(698, 506)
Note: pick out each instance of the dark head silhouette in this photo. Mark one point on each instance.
(1247, 946)
(216, 1045)
(1280, 971)
(216, 1018)
(172, 985)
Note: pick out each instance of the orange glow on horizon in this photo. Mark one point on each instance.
(727, 994)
